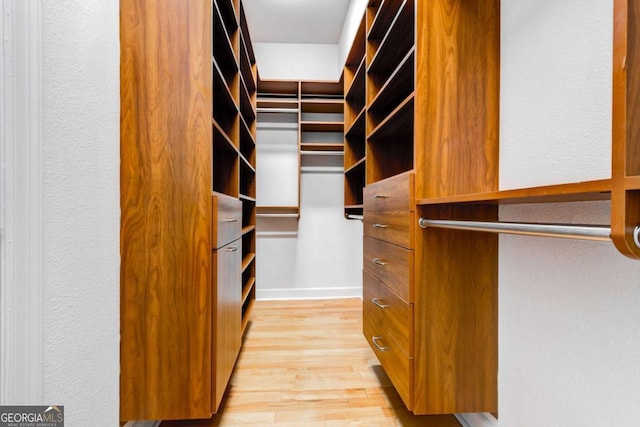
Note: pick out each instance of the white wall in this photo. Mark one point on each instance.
(555, 103)
(569, 341)
(297, 61)
(318, 256)
(81, 254)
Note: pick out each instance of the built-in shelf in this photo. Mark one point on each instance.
(357, 165)
(398, 122)
(317, 126)
(248, 229)
(571, 192)
(247, 259)
(321, 146)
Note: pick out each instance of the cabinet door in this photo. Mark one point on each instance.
(227, 319)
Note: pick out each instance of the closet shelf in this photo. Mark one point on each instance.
(247, 164)
(632, 183)
(246, 198)
(387, 10)
(306, 146)
(322, 106)
(222, 44)
(228, 13)
(357, 165)
(397, 86)
(395, 122)
(220, 134)
(246, 313)
(357, 83)
(248, 229)
(316, 126)
(247, 260)
(246, 289)
(357, 127)
(571, 192)
(396, 42)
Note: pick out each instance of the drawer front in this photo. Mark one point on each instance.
(391, 264)
(396, 364)
(389, 311)
(391, 194)
(227, 309)
(392, 227)
(227, 217)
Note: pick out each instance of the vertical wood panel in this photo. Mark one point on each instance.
(166, 111)
(456, 353)
(625, 145)
(457, 95)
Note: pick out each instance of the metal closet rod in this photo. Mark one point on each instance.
(567, 231)
(354, 216)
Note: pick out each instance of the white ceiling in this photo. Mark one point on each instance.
(296, 21)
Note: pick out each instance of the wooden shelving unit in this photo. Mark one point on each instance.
(190, 283)
(399, 123)
(247, 146)
(355, 123)
(319, 109)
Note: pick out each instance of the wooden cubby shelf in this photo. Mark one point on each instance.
(247, 260)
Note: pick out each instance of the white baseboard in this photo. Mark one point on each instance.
(308, 293)
(477, 420)
(143, 424)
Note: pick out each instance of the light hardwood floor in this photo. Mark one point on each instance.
(306, 363)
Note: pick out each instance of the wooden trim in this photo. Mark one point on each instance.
(625, 149)
(21, 263)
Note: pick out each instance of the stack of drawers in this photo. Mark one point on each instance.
(388, 293)
(227, 294)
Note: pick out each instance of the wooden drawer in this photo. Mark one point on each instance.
(391, 194)
(391, 264)
(227, 315)
(396, 364)
(392, 227)
(227, 219)
(389, 311)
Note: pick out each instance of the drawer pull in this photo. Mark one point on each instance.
(376, 225)
(375, 342)
(380, 196)
(231, 220)
(232, 249)
(378, 261)
(377, 302)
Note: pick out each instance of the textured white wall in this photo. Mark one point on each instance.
(569, 343)
(555, 103)
(297, 61)
(81, 160)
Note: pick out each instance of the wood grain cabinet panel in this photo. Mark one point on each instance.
(227, 323)
(391, 264)
(391, 195)
(389, 311)
(181, 249)
(166, 219)
(227, 219)
(393, 227)
(396, 364)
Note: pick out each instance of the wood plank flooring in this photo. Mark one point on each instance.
(306, 363)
